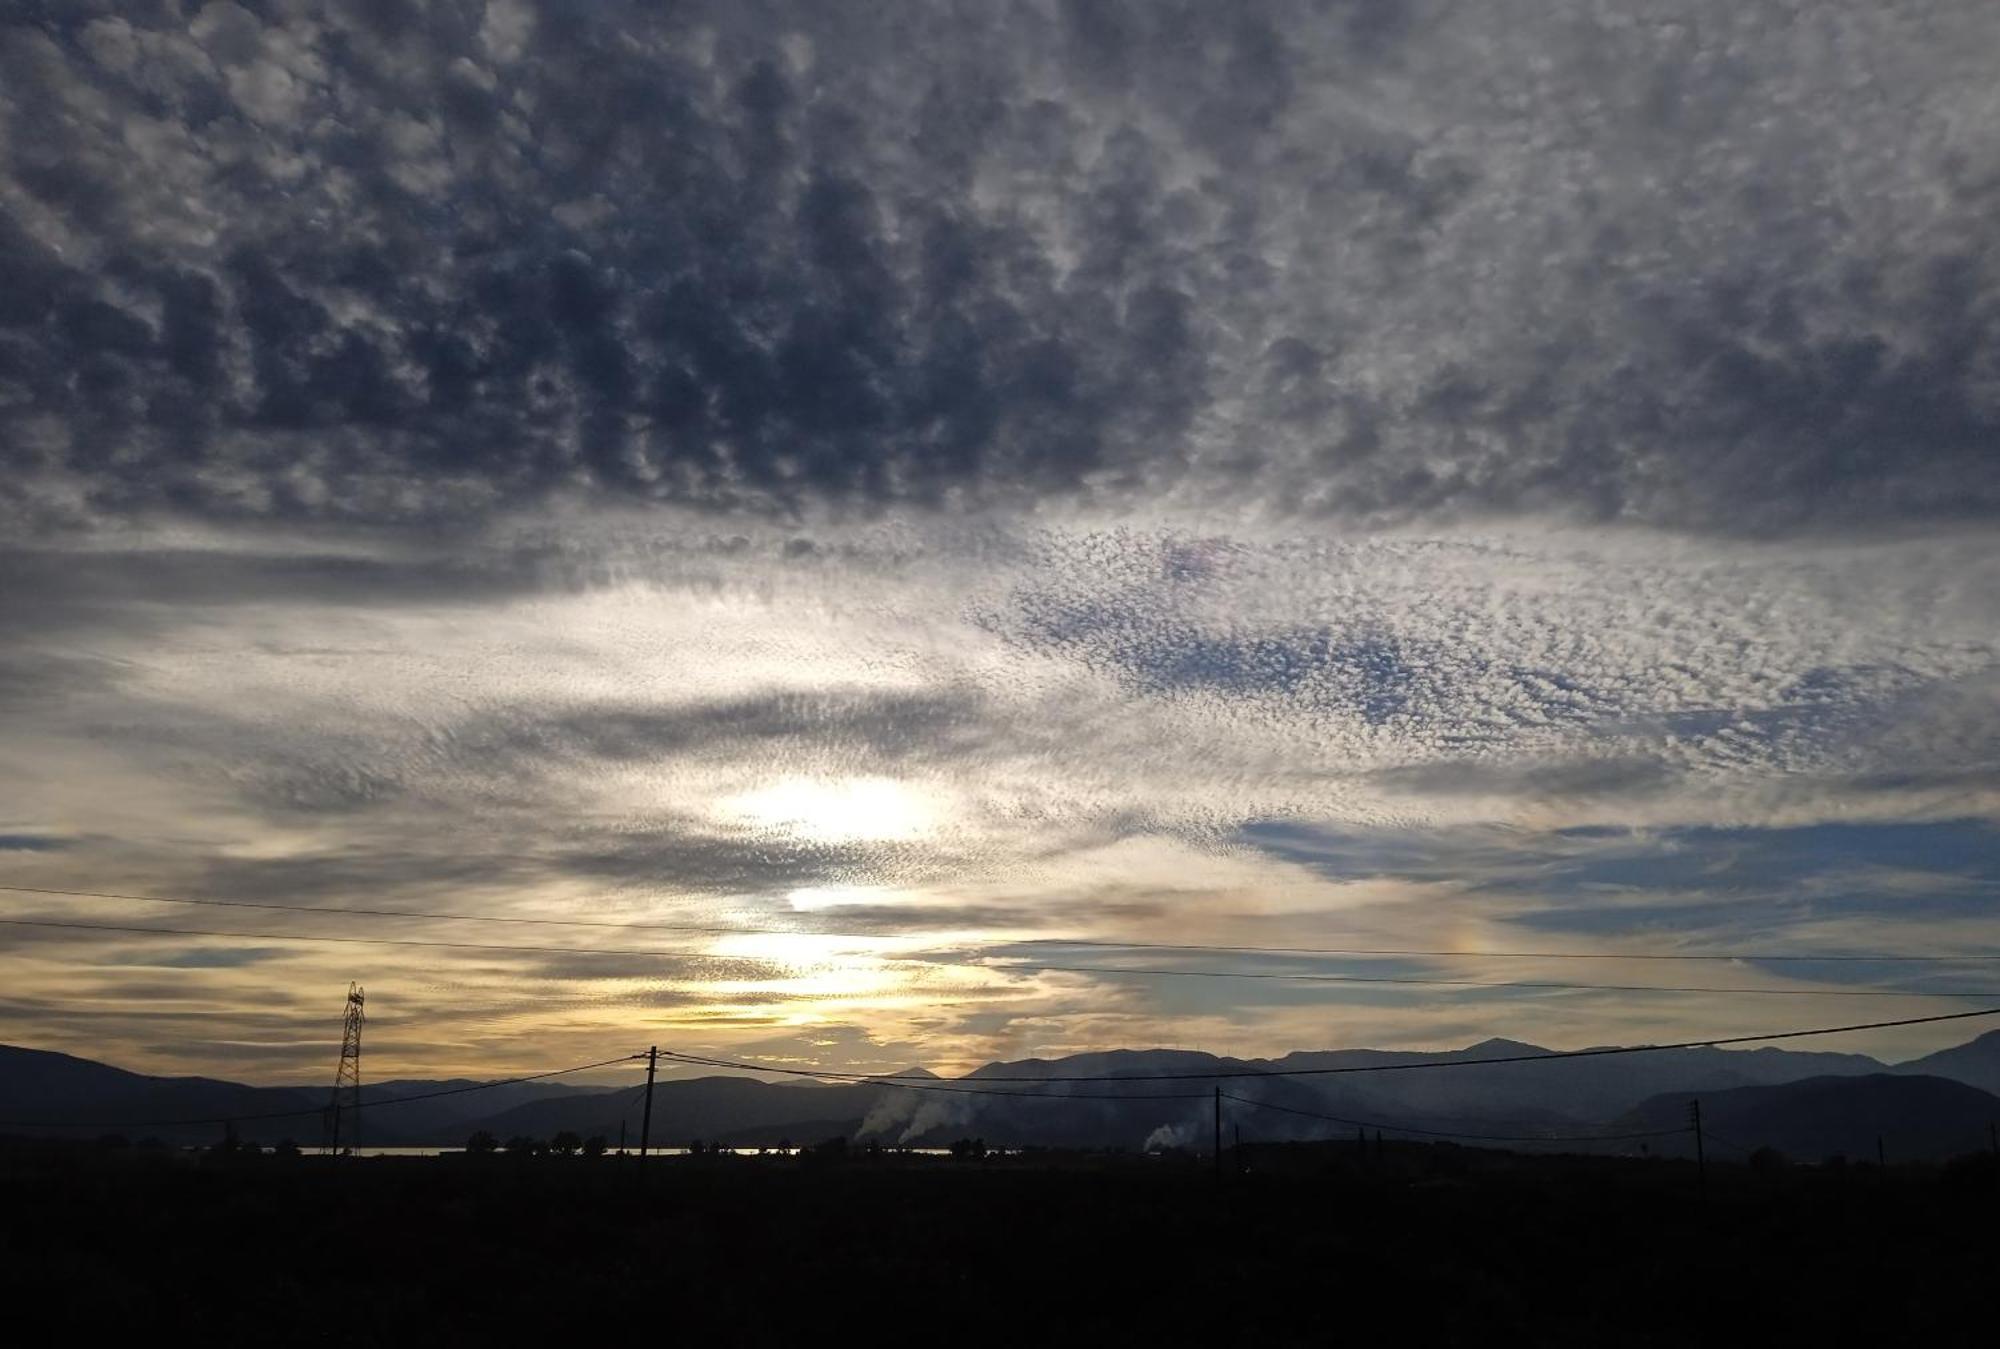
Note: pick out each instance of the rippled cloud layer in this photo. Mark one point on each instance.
(912, 486)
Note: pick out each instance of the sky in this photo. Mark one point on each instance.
(920, 486)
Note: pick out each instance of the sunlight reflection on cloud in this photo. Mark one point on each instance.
(844, 810)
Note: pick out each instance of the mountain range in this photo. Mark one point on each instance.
(1806, 1104)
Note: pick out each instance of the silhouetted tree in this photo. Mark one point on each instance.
(286, 1147)
(520, 1145)
(482, 1144)
(595, 1145)
(566, 1144)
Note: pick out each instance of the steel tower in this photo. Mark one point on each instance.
(346, 1080)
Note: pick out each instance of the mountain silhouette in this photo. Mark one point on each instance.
(42, 1085)
(46, 1092)
(38, 1084)
(1976, 1062)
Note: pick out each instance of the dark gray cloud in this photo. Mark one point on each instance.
(414, 261)
(863, 726)
(340, 875)
(1557, 779)
(208, 958)
(582, 965)
(675, 861)
(31, 843)
(280, 772)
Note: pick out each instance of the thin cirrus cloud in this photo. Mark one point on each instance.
(1400, 475)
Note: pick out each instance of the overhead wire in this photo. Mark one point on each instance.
(953, 1087)
(1542, 1056)
(358, 941)
(313, 1110)
(1039, 1084)
(1500, 983)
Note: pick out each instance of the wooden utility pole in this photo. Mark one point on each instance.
(1700, 1151)
(1218, 1133)
(646, 1120)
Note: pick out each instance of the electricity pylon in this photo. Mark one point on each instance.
(346, 1080)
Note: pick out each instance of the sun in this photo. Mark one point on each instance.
(838, 810)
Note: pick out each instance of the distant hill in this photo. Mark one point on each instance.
(1976, 1062)
(42, 1092)
(39, 1085)
(1917, 1118)
(44, 1077)
(730, 1109)
(1582, 1089)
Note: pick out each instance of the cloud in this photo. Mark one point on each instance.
(1319, 260)
(31, 843)
(976, 475)
(210, 958)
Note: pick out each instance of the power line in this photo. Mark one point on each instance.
(1505, 983)
(1085, 969)
(1547, 1056)
(698, 928)
(361, 941)
(931, 1084)
(310, 1110)
(1100, 943)
(902, 1082)
(1439, 1133)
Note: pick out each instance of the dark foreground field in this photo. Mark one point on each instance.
(717, 1251)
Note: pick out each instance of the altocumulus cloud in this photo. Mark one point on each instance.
(986, 471)
(1696, 264)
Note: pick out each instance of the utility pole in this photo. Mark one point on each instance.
(1700, 1151)
(1881, 1161)
(1218, 1133)
(646, 1120)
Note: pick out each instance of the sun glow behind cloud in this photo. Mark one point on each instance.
(840, 810)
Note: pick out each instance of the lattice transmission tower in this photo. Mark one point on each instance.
(346, 1080)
